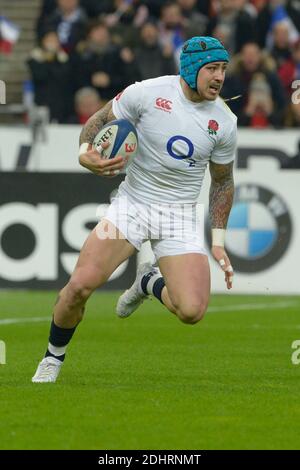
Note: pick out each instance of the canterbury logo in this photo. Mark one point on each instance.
(129, 148)
(165, 105)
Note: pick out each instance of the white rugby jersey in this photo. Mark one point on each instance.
(177, 138)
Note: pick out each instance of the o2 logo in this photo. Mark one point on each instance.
(184, 150)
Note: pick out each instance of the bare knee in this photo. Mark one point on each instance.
(191, 313)
(82, 284)
(76, 293)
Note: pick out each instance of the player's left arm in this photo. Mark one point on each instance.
(220, 202)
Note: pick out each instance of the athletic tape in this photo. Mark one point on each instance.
(83, 148)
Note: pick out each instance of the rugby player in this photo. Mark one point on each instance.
(183, 125)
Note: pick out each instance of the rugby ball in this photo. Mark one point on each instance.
(122, 137)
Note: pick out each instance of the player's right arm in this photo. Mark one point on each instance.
(89, 157)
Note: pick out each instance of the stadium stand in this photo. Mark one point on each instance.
(110, 44)
(13, 68)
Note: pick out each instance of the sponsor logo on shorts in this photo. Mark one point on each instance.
(163, 104)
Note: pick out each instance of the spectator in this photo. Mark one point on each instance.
(195, 23)
(50, 70)
(259, 4)
(87, 102)
(94, 8)
(153, 61)
(154, 7)
(290, 70)
(260, 103)
(281, 50)
(124, 19)
(246, 6)
(232, 25)
(206, 7)
(273, 11)
(47, 8)
(293, 115)
(98, 63)
(126, 12)
(171, 29)
(253, 76)
(69, 21)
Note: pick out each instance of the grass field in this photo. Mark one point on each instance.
(151, 382)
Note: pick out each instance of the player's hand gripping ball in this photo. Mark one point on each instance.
(122, 138)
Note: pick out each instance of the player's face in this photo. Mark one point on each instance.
(210, 80)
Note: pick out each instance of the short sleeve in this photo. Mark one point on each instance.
(129, 103)
(224, 152)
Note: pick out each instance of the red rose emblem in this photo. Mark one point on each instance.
(213, 126)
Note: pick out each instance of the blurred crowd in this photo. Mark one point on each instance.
(89, 50)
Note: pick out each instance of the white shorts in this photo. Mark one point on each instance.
(171, 229)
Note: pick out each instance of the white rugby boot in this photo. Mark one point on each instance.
(133, 297)
(47, 371)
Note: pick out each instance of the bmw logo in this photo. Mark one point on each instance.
(259, 229)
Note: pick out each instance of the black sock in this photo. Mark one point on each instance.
(144, 282)
(158, 287)
(58, 340)
(153, 283)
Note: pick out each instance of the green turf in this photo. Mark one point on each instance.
(151, 382)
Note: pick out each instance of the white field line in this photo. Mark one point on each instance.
(10, 321)
(252, 306)
(227, 308)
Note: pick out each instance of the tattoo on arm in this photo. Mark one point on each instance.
(221, 194)
(94, 124)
